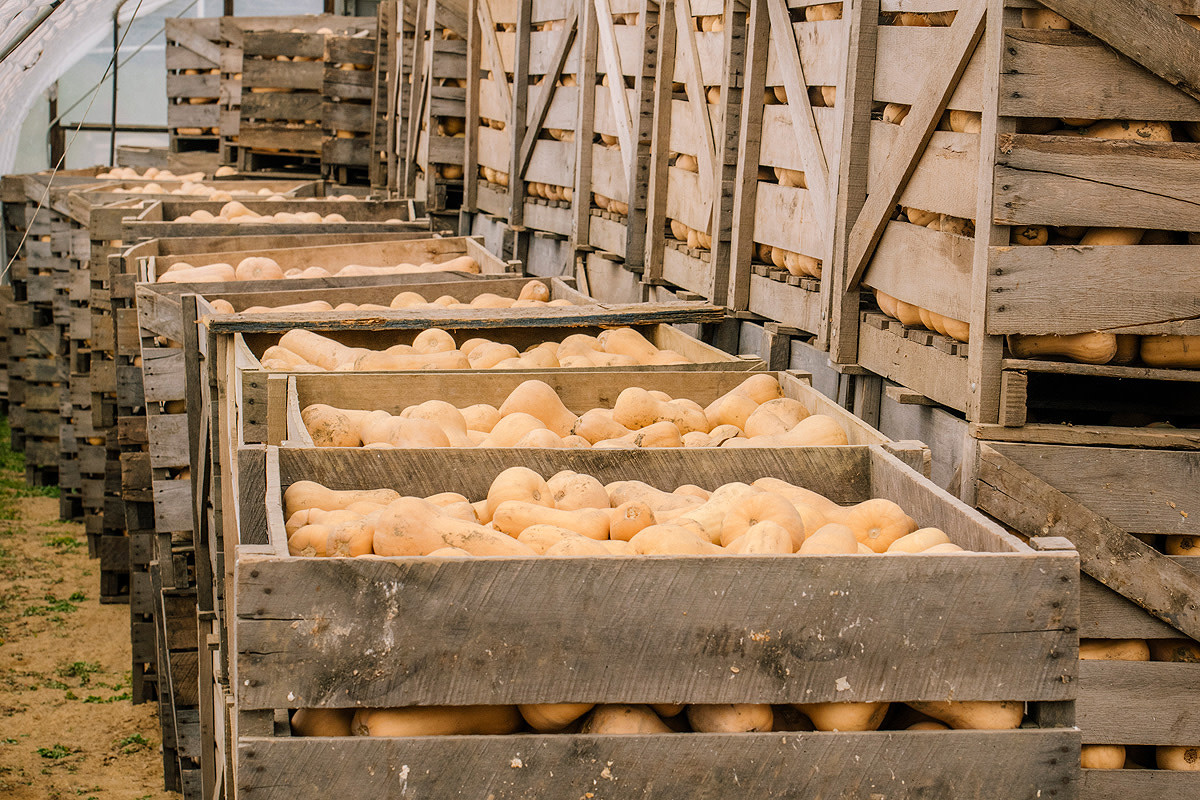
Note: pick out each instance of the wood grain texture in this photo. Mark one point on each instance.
(1145, 32)
(937, 375)
(339, 632)
(1104, 614)
(1140, 289)
(1123, 784)
(1139, 702)
(1019, 498)
(899, 766)
(1074, 180)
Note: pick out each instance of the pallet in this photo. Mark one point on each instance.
(1128, 590)
(435, 111)
(348, 111)
(1009, 176)
(766, 670)
(612, 161)
(686, 124)
(193, 61)
(783, 234)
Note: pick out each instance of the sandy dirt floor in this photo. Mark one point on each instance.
(67, 728)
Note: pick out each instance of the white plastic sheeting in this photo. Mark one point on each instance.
(72, 28)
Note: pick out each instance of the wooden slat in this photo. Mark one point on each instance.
(495, 64)
(541, 106)
(1128, 702)
(1123, 784)
(734, 766)
(689, 60)
(1019, 498)
(915, 134)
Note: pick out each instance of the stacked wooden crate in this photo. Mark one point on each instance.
(612, 161)
(193, 59)
(785, 204)
(1009, 181)
(349, 115)
(491, 45)
(702, 47)
(1139, 630)
(436, 108)
(282, 84)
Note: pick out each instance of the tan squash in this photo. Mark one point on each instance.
(1112, 237)
(514, 516)
(352, 539)
(975, 714)
(755, 507)
(671, 540)
(628, 342)
(582, 547)
(1029, 235)
(877, 522)
(573, 491)
(445, 416)
(844, 716)
(539, 400)
(307, 494)
(918, 541)
(1142, 131)
(831, 539)
(763, 538)
(628, 519)
(730, 717)
(518, 483)
(708, 518)
(1102, 756)
(637, 409)
(1178, 758)
(541, 538)
(322, 721)
(212, 273)
(489, 354)
(623, 720)
(1086, 348)
(1171, 351)
(1182, 545)
(1114, 650)
(597, 425)
(437, 721)
(310, 541)
(775, 416)
(481, 417)
(1178, 650)
(551, 717)
(330, 427)
(659, 434)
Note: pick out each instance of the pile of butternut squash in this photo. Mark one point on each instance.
(434, 348)
(917, 317)
(233, 211)
(151, 173)
(263, 268)
(695, 239)
(1115, 756)
(623, 719)
(573, 514)
(533, 294)
(754, 414)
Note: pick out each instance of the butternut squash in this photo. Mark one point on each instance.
(731, 409)
(830, 539)
(1144, 131)
(763, 538)
(1178, 758)
(408, 527)
(352, 539)
(817, 430)
(657, 540)
(481, 417)
(212, 273)
(1114, 650)
(518, 483)
(310, 541)
(221, 306)
(708, 519)
(877, 522)
(928, 725)
(1179, 650)
(775, 416)
(730, 717)
(1102, 756)
(659, 434)
(983, 715)
(551, 717)
(1109, 237)
(330, 427)
(514, 516)
(437, 721)
(623, 720)
(628, 519)
(322, 721)
(539, 400)
(445, 416)
(307, 494)
(316, 349)
(542, 537)
(636, 409)
(1086, 348)
(755, 507)
(573, 491)
(917, 541)
(844, 716)
(597, 425)
(1171, 351)
(626, 341)
(582, 547)
(258, 268)
(1182, 545)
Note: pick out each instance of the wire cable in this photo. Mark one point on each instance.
(54, 172)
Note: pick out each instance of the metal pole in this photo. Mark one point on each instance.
(112, 137)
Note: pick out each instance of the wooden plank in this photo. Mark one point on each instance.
(734, 766)
(1114, 436)
(806, 645)
(1104, 614)
(541, 106)
(1145, 32)
(921, 121)
(618, 97)
(1019, 498)
(937, 375)
(495, 66)
(1123, 784)
(1139, 289)
(172, 505)
(1117, 706)
(689, 60)
(927, 268)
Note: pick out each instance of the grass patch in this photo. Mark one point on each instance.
(56, 752)
(83, 670)
(132, 744)
(12, 476)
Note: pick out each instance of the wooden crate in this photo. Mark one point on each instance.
(193, 60)
(616, 115)
(1018, 632)
(436, 108)
(348, 110)
(783, 233)
(384, 167)
(283, 74)
(1097, 497)
(522, 117)
(1022, 171)
(689, 128)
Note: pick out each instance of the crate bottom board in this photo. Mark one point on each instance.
(689, 270)
(797, 304)
(608, 232)
(1138, 784)
(895, 765)
(938, 375)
